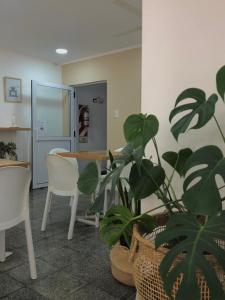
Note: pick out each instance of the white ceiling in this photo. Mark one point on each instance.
(85, 27)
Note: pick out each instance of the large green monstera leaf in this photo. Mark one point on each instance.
(201, 194)
(140, 129)
(220, 80)
(198, 106)
(177, 160)
(198, 240)
(145, 180)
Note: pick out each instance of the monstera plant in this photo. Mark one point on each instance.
(196, 220)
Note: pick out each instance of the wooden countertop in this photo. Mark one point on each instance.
(14, 129)
(90, 155)
(13, 163)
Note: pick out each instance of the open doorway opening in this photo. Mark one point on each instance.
(91, 110)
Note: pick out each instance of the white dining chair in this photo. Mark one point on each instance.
(62, 181)
(14, 208)
(73, 160)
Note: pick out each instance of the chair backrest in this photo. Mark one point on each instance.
(62, 175)
(14, 195)
(58, 150)
(118, 150)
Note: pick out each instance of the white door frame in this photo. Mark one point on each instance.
(35, 138)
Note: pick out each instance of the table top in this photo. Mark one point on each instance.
(13, 163)
(90, 155)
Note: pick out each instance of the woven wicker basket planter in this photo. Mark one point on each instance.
(120, 265)
(146, 270)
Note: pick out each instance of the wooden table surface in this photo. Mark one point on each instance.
(90, 155)
(13, 163)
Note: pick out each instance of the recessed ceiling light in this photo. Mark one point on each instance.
(61, 51)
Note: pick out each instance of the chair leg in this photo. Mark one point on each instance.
(2, 246)
(30, 249)
(45, 215)
(71, 201)
(97, 217)
(74, 201)
(50, 203)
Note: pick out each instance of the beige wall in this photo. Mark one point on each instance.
(122, 71)
(183, 47)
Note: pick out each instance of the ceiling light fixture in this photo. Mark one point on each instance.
(61, 51)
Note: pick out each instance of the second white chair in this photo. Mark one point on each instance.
(62, 181)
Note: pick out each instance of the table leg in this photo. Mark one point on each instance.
(3, 253)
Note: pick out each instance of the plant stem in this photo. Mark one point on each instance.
(165, 189)
(164, 200)
(171, 187)
(220, 130)
(157, 151)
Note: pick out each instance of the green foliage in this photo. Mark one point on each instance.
(145, 180)
(140, 129)
(198, 238)
(88, 180)
(220, 79)
(197, 220)
(118, 223)
(203, 197)
(177, 160)
(200, 107)
(9, 148)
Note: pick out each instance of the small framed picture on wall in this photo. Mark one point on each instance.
(12, 89)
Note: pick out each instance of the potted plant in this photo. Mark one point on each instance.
(8, 150)
(189, 249)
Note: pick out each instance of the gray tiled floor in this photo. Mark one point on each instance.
(77, 269)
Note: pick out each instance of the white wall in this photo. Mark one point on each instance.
(26, 68)
(97, 132)
(183, 47)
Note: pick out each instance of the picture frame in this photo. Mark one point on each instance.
(12, 89)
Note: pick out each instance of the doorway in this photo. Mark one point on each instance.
(91, 102)
(53, 125)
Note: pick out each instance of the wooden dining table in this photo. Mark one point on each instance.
(8, 163)
(98, 157)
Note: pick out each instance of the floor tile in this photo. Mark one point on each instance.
(8, 285)
(22, 273)
(15, 238)
(49, 244)
(89, 269)
(76, 269)
(25, 294)
(16, 259)
(90, 292)
(58, 285)
(113, 287)
(61, 258)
